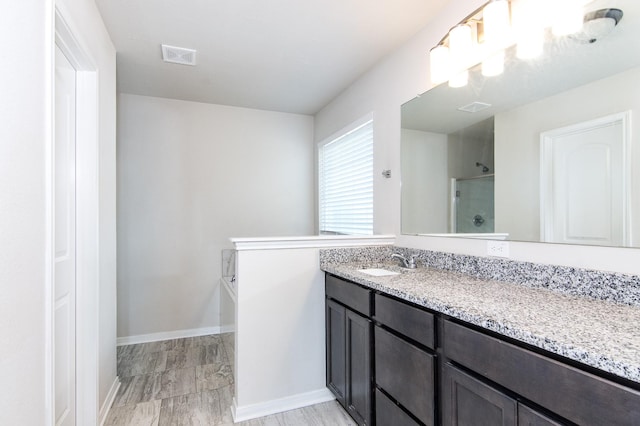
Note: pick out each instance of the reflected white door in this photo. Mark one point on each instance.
(65, 241)
(585, 180)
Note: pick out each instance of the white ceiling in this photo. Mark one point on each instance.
(280, 55)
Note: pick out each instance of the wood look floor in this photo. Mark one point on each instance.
(190, 382)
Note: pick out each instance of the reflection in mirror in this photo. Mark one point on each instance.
(460, 178)
(552, 136)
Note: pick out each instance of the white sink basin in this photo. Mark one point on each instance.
(377, 272)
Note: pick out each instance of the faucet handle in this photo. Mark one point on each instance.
(412, 261)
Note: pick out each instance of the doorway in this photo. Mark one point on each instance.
(74, 195)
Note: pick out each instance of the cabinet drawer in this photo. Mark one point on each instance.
(350, 294)
(574, 394)
(389, 414)
(406, 373)
(405, 319)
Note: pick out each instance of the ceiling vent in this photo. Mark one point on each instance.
(474, 107)
(178, 55)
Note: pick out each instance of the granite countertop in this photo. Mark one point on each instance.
(601, 334)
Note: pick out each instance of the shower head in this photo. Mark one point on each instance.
(485, 169)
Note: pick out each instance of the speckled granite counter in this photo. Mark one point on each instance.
(598, 333)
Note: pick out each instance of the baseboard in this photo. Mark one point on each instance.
(166, 335)
(108, 401)
(293, 402)
(227, 329)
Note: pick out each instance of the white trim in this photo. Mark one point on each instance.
(483, 236)
(293, 402)
(314, 241)
(346, 129)
(108, 401)
(167, 335)
(87, 221)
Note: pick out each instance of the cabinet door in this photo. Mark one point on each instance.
(468, 401)
(336, 350)
(358, 396)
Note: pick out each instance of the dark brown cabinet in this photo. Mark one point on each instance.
(406, 373)
(336, 350)
(348, 342)
(467, 401)
(571, 393)
(411, 322)
(358, 368)
(529, 417)
(389, 413)
(393, 363)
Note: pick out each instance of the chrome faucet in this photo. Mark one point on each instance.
(407, 263)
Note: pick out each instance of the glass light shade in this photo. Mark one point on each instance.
(460, 47)
(493, 64)
(459, 79)
(528, 27)
(497, 25)
(439, 64)
(568, 17)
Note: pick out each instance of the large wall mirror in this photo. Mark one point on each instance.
(548, 151)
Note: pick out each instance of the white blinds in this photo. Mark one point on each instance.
(346, 183)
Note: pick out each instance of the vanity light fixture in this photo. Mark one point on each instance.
(527, 17)
(497, 29)
(483, 36)
(460, 49)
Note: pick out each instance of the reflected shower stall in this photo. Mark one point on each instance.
(472, 205)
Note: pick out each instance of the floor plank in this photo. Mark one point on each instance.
(190, 382)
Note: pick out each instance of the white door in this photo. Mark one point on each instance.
(65, 241)
(585, 182)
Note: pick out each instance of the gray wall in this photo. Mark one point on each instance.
(190, 176)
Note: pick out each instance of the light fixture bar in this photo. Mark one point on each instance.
(483, 36)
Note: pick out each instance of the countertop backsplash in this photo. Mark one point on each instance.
(599, 285)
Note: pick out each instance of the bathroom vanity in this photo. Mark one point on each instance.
(435, 346)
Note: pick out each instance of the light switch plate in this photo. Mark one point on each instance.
(498, 248)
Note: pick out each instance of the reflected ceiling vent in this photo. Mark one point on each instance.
(178, 55)
(474, 107)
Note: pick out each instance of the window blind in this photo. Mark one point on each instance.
(346, 183)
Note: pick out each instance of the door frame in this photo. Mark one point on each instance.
(87, 223)
(546, 170)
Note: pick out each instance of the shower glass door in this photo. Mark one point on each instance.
(473, 205)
